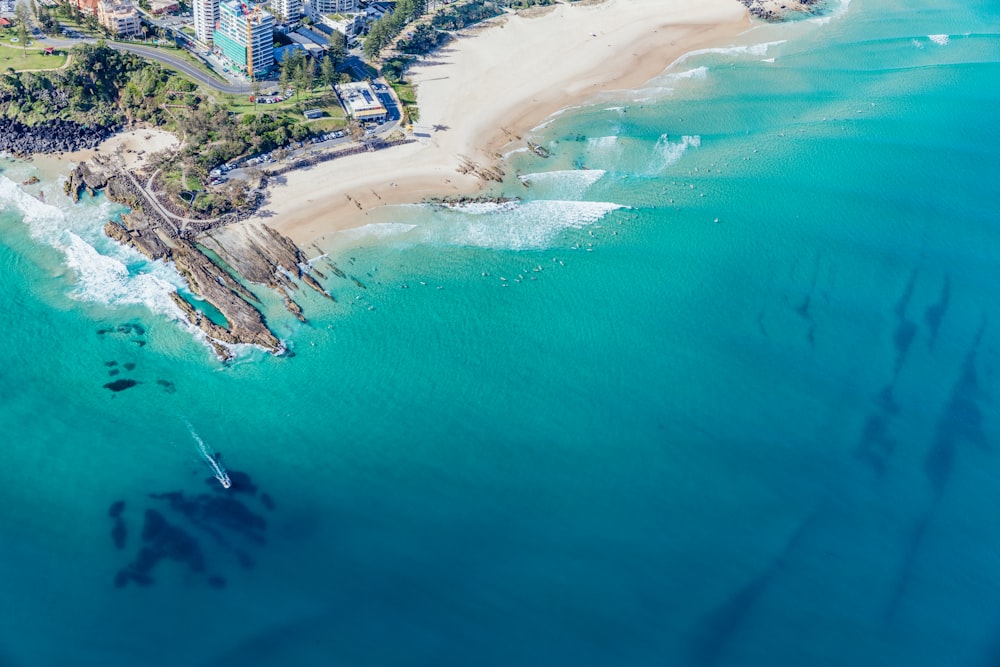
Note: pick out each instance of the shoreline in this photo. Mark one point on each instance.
(588, 49)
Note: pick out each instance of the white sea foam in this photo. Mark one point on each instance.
(528, 225)
(106, 279)
(601, 142)
(377, 230)
(941, 40)
(483, 208)
(747, 49)
(837, 11)
(667, 153)
(696, 73)
(767, 60)
(667, 84)
(569, 183)
(114, 275)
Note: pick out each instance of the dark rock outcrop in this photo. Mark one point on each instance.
(780, 10)
(85, 178)
(53, 136)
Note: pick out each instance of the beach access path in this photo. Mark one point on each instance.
(488, 88)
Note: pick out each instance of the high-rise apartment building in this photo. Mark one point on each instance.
(286, 11)
(206, 15)
(245, 37)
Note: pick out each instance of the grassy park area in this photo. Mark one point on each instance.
(32, 57)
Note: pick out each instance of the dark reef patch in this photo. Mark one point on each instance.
(175, 526)
(116, 509)
(120, 385)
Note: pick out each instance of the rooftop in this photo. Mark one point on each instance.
(360, 100)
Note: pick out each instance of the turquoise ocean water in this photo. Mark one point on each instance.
(722, 390)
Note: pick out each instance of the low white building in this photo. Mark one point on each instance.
(361, 103)
(347, 24)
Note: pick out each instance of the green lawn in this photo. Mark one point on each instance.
(319, 99)
(408, 98)
(12, 55)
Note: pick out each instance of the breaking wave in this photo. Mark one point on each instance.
(105, 272)
(748, 49)
(526, 225)
(569, 183)
(667, 153)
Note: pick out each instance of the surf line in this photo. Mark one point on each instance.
(212, 459)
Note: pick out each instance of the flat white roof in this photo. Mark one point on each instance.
(360, 100)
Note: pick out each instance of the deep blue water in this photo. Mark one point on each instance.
(595, 428)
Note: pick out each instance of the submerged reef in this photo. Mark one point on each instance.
(175, 525)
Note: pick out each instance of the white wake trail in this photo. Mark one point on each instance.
(212, 459)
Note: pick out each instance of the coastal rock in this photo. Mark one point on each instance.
(85, 177)
(254, 252)
(780, 10)
(52, 136)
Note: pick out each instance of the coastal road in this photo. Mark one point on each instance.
(163, 57)
(183, 66)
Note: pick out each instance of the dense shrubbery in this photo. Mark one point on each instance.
(523, 4)
(423, 39)
(386, 28)
(462, 16)
(99, 87)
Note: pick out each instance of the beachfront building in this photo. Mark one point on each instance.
(286, 11)
(161, 7)
(245, 37)
(348, 24)
(86, 6)
(361, 103)
(321, 8)
(206, 16)
(119, 17)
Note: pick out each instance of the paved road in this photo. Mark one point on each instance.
(161, 56)
(182, 65)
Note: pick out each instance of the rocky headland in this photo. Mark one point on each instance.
(51, 136)
(247, 252)
(780, 10)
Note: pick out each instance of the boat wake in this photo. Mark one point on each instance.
(212, 459)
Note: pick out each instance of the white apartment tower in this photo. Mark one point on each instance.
(324, 7)
(206, 16)
(286, 11)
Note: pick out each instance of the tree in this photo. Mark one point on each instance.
(327, 72)
(284, 78)
(338, 48)
(304, 77)
(22, 14)
(309, 74)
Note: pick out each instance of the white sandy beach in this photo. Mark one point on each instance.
(132, 147)
(498, 82)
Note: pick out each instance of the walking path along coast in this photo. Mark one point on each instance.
(491, 86)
